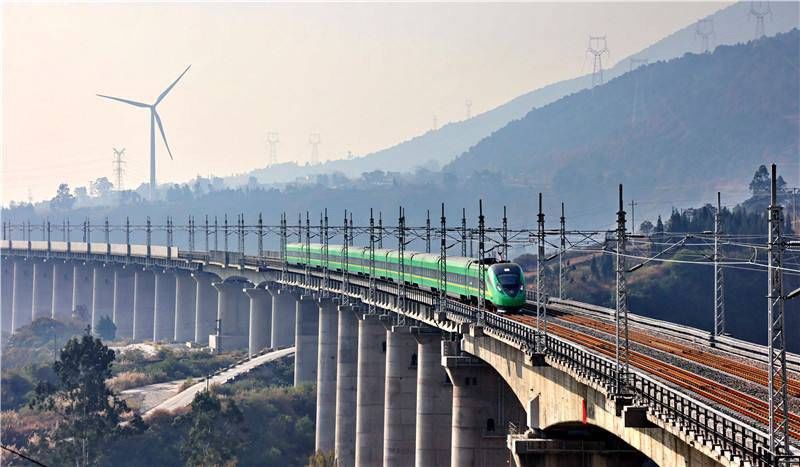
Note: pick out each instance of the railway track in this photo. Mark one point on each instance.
(726, 365)
(736, 401)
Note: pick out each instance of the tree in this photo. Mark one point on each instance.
(101, 187)
(106, 328)
(89, 412)
(63, 200)
(761, 181)
(322, 459)
(215, 434)
(646, 227)
(659, 226)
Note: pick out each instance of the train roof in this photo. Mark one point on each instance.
(417, 255)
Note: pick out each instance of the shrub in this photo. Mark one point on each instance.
(128, 380)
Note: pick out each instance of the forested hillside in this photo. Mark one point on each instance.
(689, 126)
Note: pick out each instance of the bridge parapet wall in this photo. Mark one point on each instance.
(553, 396)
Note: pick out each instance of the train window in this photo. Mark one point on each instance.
(489, 425)
(508, 278)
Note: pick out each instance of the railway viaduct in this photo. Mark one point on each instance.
(402, 379)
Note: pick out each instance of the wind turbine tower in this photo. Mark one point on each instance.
(154, 119)
(598, 46)
(759, 11)
(314, 140)
(119, 167)
(272, 140)
(704, 29)
(468, 104)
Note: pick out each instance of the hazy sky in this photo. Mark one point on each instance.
(364, 76)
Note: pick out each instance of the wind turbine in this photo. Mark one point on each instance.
(154, 118)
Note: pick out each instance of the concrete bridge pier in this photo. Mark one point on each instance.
(434, 401)
(346, 385)
(260, 319)
(400, 404)
(233, 310)
(306, 340)
(102, 294)
(6, 293)
(23, 293)
(475, 396)
(205, 307)
(143, 304)
(185, 298)
(42, 289)
(328, 339)
(82, 280)
(164, 307)
(62, 289)
(370, 394)
(283, 316)
(123, 301)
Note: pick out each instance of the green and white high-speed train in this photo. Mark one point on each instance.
(505, 282)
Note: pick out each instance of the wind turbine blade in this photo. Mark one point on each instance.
(126, 101)
(164, 94)
(163, 135)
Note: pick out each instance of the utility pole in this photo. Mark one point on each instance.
(481, 266)
(308, 251)
(191, 234)
(225, 237)
(463, 232)
(326, 272)
(352, 234)
(633, 216)
(272, 140)
(216, 234)
(428, 232)
(260, 237)
(442, 286)
(719, 295)
(562, 271)
(314, 140)
(284, 258)
(207, 234)
(372, 309)
(504, 234)
(118, 164)
(401, 276)
(380, 229)
(778, 396)
(345, 263)
(598, 46)
(621, 315)
(541, 306)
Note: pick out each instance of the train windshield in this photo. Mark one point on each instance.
(509, 277)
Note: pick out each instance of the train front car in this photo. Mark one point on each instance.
(507, 284)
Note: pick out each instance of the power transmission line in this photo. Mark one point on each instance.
(704, 29)
(272, 140)
(314, 140)
(598, 46)
(119, 167)
(759, 11)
